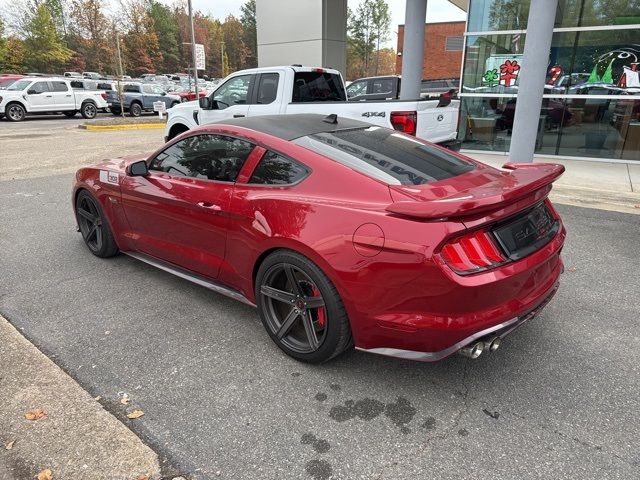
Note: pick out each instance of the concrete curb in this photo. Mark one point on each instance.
(103, 128)
(77, 439)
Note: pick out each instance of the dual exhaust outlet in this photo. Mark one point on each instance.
(475, 349)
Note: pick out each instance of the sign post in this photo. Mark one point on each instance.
(159, 107)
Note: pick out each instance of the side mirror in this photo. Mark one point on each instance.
(31, 91)
(139, 169)
(205, 103)
(163, 93)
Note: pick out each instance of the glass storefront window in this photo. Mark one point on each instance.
(582, 127)
(589, 63)
(492, 63)
(492, 15)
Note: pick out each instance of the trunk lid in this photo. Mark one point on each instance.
(479, 192)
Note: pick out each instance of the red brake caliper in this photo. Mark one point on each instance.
(322, 316)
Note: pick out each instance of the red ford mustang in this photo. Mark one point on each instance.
(341, 233)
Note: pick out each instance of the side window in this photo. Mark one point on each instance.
(268, 88)
(233, 92)
(357, 88)
(274, 169)
(40, 87)
(59, 86)
(382, 85)
(148, 89)
(209, 157)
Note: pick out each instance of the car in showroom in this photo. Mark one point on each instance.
(342, 233)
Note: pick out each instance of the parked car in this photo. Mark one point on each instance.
(388, 88)
(92, 75)
(295, 89)
(375, 88)
(48, 95)
(435, 88)
(138, 98)
(72, 74)
(340, 232)
(8, 79)
(102, 86)
(187, 94)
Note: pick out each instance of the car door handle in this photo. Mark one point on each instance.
(238, 115)
(67, 95)
(49, 96)
(210, 206)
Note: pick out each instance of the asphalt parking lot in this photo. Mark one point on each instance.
(560, 399)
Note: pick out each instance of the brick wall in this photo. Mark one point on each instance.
(438, 62)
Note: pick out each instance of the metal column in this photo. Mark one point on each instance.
(413, 49)
(542, 14)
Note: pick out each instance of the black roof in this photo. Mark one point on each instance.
(289, 127)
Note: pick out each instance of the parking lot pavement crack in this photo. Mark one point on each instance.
(583, 443)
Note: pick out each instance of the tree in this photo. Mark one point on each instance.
(381, 19)
(14, 57)
(166, 30)
(234, 46)
(367, 28)
(250, 37)
(88, 35)
(45, 51)
(3, 45)
(141, 49)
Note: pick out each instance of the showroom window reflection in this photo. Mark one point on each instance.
(589, 109)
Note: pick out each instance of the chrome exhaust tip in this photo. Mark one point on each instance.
(494, 344)
(472, 351)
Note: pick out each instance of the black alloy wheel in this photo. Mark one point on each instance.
(93, 227)
(301, 309)
(135, 110)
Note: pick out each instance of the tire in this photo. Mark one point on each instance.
(70, 114)
(173, 104)
(94, 226)
(135, 110)
(15, 112)
(293, 319)
(89, 110)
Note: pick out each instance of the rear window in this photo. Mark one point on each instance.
(317, 87)
(387, 155)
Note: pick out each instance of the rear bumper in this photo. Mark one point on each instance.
(500, 330)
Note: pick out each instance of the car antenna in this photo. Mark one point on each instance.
(333, 118)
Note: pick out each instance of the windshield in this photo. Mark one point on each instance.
(387, 155)
(19, 85)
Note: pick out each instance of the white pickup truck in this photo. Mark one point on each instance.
(296, 89)
(48, 95)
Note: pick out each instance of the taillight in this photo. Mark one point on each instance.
(104, 95)
(405, 122)
(472, 253)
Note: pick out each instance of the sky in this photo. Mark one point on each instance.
(437, 11)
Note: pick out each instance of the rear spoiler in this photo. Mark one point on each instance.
(527, 178)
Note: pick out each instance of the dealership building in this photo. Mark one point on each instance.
(591, 101)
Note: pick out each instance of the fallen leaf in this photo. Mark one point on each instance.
(636, 206)
(35, 414)
(45, 474)
(125, 399)
(135, 414)
(571, 269)
(144, 477)
(9, 445)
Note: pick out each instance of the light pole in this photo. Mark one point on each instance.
(193, 50)
(121, 74)
(222, 75)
